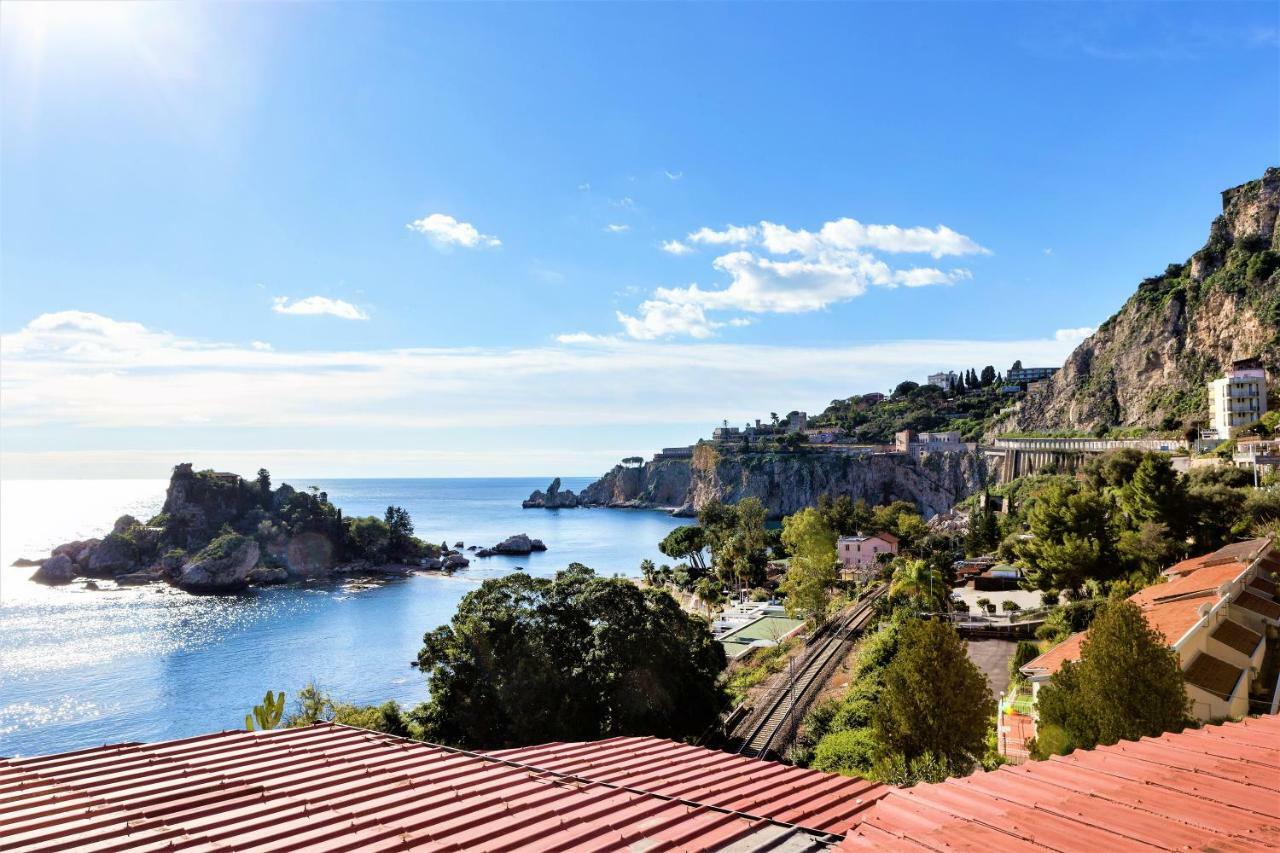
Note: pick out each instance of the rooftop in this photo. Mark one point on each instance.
(330, 787)
(1213, 675)
(1236, 636)
(821, 802)
(1217, 786)
(1173, 607)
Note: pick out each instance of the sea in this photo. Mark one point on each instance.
(80, 668)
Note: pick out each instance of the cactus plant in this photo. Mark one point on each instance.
(268, 714)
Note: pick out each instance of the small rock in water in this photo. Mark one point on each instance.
(56, 570)
(24, 563)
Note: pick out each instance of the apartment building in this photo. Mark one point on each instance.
(1238, 398)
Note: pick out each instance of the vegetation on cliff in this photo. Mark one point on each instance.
(1149, 364)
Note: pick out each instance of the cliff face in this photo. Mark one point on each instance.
(1149, 364)
(788, 482)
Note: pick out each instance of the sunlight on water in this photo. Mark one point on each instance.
(80, 667)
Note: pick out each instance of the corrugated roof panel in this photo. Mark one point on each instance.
(334, 788)
(820, 801)
(1217, 788)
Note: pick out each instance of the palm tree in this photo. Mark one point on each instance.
(917, 579)
(648, 572)
(709, 592)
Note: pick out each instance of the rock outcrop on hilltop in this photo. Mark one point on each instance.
(1149, 364)
(787, 482)
(218, 532)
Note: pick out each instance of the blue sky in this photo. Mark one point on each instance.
(427, 239)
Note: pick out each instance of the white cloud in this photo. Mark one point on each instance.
(1074, 335)
(584, 186)
(617, 229)
(776, 269)
(314, 306)
(1048, 251)
(82, 370)
(261, 346)
(663, 319)
(585, 338)
(732, 234)
(675, 176)
(444, 230)
(850, 234)
(626, 201)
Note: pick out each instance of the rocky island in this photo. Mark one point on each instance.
(218, 532)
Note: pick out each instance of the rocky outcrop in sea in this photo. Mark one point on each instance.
(218, 533)
(518, 545)
(552, 498)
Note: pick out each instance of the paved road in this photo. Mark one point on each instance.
(992, 657)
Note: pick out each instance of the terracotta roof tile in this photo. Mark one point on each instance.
(329, 787)
(1219, 786)
(1262, 606)
(1236, 636)
(1213, 675)
(819, 801)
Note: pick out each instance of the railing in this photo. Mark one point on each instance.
(1090, 445)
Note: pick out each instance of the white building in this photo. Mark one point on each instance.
(946, 380)
(1239, 398)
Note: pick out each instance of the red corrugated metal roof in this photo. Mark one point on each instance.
(1215, 788)
(822, 802)
(329, 787)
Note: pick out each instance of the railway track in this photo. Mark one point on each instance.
(810, 672)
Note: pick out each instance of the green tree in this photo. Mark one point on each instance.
(686, 543)
(1072, 538)
(917, 580)
(844, 515)
(579, 657)
(1147, 550)
(719, 521)
(1155, 493)
(812, 572)
(1127, 685)
(264, 481)
(709, 592)
(314, 705)
(744, 552)
(1024, 653)
(400, 542)
(935, 702)
(988, 376)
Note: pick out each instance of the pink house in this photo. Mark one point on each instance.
(858, 553)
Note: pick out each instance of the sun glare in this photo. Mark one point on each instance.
(37, 22)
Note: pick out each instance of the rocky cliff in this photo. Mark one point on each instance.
(787, 482)
(1149, 364)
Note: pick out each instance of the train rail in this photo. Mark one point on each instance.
(808, 676)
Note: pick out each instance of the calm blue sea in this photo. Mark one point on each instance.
(80, 668)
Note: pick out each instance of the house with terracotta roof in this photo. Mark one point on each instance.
(1218, 612)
